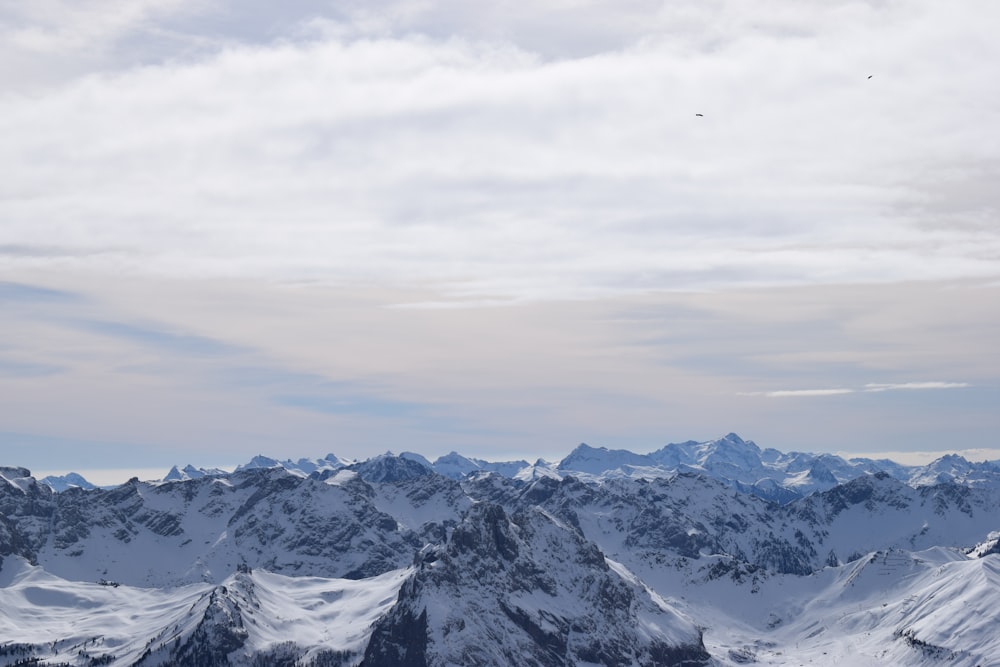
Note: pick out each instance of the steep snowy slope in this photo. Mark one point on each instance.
(889, 608)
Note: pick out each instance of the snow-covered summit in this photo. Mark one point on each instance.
(598, 460)
(390, 468)
(190, 472)
(60, 483)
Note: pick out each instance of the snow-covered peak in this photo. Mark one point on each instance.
(303, 466)
(736, 441)
(259, 461)
(391, 468)
(71, 480)
(455, 466)
(538, 470)
(337, 461)
(190, 472)
(817, 478)
(413, 456)
(730, 450)
(595, 460)
(947, 468)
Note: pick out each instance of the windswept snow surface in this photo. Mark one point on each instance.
(71, 617)
(332, 614)
(78, 621)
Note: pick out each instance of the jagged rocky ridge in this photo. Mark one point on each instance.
(532, 615)
(389, 562)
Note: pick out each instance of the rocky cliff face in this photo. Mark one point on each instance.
(526, 589)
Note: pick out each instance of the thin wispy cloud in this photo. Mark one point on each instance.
(782, 393)
(915, 385)
(868, 388)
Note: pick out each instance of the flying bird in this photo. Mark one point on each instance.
(869, 76)
(699, 114)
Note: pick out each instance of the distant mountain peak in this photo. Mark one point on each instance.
(260, 461)
(190, 472)
(391, 468)
(595, 460)
(60, 483)
(413, 456)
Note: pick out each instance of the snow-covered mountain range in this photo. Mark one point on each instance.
(714, 553)
(766, 473)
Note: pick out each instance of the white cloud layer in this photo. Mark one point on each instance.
(445, 145)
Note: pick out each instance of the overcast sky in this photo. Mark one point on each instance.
(230, 228)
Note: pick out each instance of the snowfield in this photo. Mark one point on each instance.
(80, 621)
